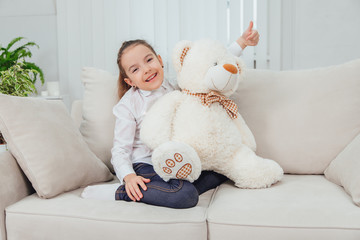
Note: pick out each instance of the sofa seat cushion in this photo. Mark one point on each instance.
(298, 207)
(68, 216)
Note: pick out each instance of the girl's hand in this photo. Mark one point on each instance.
(132, 182)
(249, 38)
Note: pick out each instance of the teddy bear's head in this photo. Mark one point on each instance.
(206, 65)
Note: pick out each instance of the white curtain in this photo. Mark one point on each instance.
(90, 32)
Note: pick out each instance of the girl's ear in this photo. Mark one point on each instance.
(128, 81)
(160, 60)
(180, 51)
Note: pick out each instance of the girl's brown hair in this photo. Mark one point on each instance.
(122, 85)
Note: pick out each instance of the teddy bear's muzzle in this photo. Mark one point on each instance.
(222, 78)
(230, 68)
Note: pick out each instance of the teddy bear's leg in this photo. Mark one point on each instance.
(176, 160)
(248, 170)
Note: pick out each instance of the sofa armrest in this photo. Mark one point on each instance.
(14, 186)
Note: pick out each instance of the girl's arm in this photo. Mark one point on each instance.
(235, 49)
(124, 134)
(249, 38)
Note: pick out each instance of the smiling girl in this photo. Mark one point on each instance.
(141, 82)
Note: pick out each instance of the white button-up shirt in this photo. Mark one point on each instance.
(129, 113)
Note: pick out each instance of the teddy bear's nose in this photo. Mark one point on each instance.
(230, 68)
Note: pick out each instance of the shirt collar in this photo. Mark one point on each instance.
(148, 93)
(144, 92)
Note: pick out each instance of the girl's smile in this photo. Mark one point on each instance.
(151, 77)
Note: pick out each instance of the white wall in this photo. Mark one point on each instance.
(35, 20)
(318, 33)
(295, 34)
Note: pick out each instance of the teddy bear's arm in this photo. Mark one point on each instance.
(247, 137)
(156, 127)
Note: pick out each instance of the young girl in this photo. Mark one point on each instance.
(141, 83)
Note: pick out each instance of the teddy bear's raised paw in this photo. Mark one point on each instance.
(183, 172)
(175, 160)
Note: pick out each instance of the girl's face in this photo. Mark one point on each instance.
(142, 67)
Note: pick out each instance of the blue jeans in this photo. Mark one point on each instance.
(175, 193)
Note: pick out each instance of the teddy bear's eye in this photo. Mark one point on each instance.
(215, 63)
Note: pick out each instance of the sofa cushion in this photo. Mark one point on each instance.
(47, 145)
(302, 119)
(69, 216)
(298, 207)
(100, 96)
(344, 170)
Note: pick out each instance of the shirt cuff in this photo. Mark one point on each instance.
(235, 49)
(123, 171)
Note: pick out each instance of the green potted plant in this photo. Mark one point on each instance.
(17, 80)
(9, 57)
(18, 76)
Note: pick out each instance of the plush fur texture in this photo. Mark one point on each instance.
(213, 140)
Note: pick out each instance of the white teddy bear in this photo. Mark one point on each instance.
(199, 128)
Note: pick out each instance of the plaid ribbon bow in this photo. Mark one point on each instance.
(213, 96)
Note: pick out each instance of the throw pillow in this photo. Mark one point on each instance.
(345, 168)
(97, 127)
(47, 145)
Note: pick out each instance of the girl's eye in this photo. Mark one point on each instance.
(134, 70)
(149, 60)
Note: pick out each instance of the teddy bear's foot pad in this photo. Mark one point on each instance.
(176, 160)
(183, 172)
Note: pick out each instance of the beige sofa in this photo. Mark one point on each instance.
(308, 121)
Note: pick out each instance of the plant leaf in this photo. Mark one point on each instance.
(17, 81)
(13, 42)
(33, 66)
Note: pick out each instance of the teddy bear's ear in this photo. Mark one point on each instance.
(180, 51)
